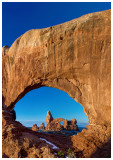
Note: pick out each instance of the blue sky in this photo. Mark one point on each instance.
(35, 104)
(17, 18)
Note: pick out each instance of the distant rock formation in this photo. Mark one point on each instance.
(73, 121)
(60, 123)
(71, 125)
(42, 126)
(35, 127)
(49, 117)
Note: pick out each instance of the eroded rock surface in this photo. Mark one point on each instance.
(93, 142)
(74, 57)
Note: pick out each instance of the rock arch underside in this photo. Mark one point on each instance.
(73, 57)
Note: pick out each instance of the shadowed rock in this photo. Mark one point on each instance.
(13, 114)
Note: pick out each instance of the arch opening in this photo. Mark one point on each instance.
(61, 122)
(66, 112)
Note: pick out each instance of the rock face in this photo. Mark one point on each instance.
(49, 117)
(42, 126)
(5, 50)
(59, 124)
(35, 127)
(74, 57)
(13, 114)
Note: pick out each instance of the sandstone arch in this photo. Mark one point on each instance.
(59, 123)
(73, 57)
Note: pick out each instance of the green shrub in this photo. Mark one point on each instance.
(70, 153)
(61, 154)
